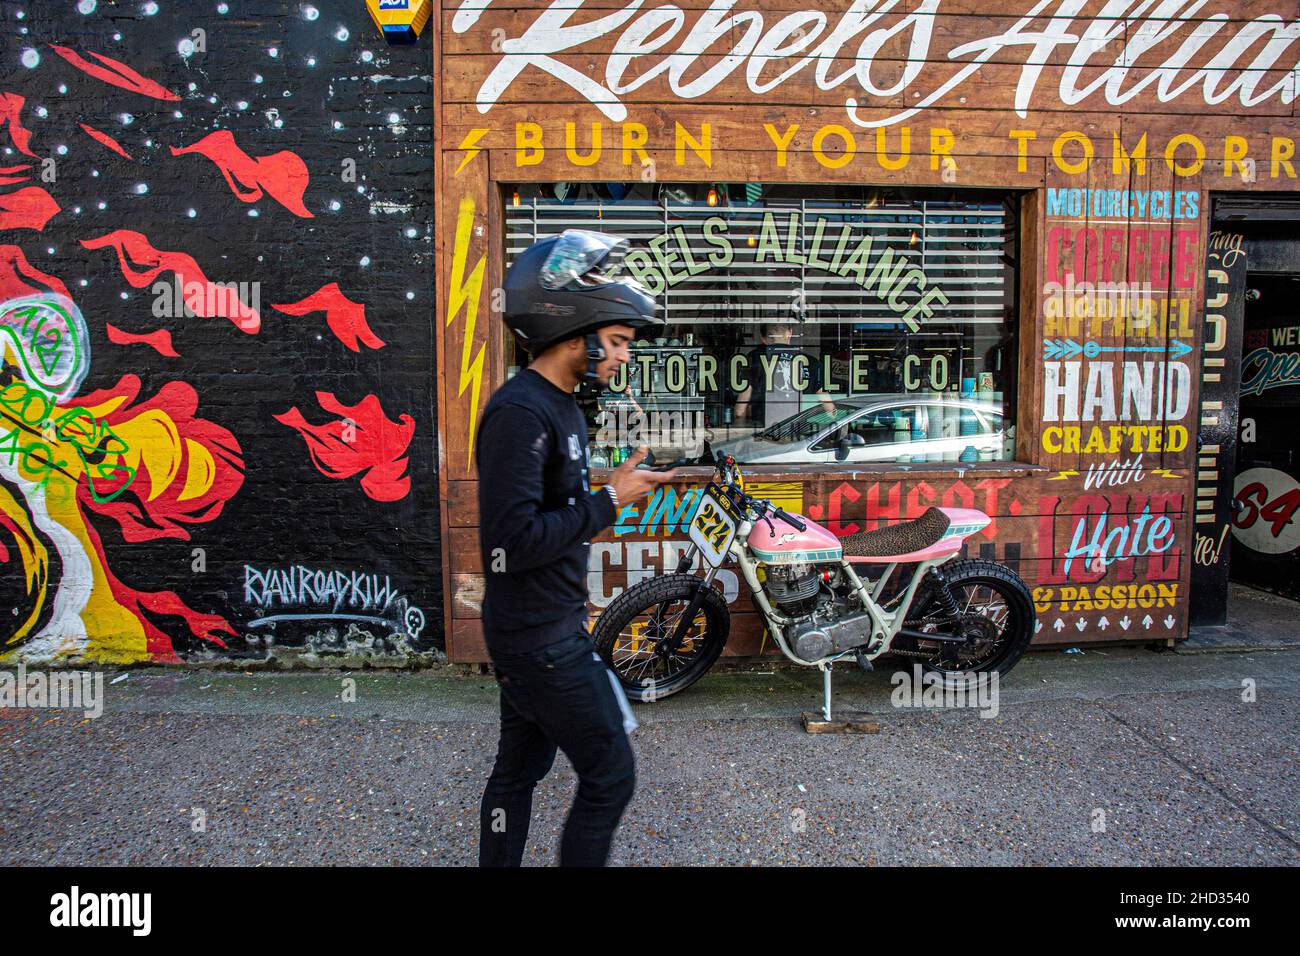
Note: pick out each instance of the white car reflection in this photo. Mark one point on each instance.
(880, 428)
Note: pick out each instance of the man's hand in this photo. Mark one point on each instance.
(630, 484)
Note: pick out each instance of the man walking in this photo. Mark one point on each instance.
(576, 317)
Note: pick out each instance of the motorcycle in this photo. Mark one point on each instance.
(816, 597)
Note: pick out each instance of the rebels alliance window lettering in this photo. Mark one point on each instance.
(805, 323)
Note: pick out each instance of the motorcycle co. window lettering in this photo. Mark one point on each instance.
(805, 324)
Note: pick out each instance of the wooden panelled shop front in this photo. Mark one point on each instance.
(969, 203)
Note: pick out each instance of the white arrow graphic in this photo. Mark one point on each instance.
(1124, 622)
(1038, 626)
(1103, 623)
(1058, 625)
(1080, 624)
(1169, 621)
(1147, 622)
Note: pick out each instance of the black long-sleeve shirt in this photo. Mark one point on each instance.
(536, 514)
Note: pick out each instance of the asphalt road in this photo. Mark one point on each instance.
(1116, 756)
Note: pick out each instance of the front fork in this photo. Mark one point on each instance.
(674, 641)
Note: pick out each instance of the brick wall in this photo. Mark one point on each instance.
(217, 421)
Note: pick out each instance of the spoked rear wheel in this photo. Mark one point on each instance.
(633, 636)
(995, 620)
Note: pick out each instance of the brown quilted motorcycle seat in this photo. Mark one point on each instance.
(915, 535)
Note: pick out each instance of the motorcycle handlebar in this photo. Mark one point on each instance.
(790, 519)
(727, 468)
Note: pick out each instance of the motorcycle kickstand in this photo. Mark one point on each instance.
(824, 723)
(826, 690)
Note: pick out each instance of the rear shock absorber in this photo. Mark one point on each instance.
(943, 595)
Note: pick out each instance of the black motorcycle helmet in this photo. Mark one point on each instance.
(569, 285)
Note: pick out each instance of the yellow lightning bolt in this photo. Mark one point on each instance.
(470, 143)
(1062, 475)
(1165, 473)
(465, 291)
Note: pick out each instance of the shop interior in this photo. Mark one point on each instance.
(805, 323)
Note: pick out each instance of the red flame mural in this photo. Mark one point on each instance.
(133, 460)
(282, 175)
(7, 177)
(362, 439)
(142, 604)
(11, 108)
(346, 319)
(159, 340)
(115, 72)
(142, 264)
(17, 276)
(28, 208)
(104, 139)
(184, 468)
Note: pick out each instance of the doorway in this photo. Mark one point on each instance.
(1247, 491)
(1266, 484)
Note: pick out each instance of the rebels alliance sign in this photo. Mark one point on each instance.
(1161, 51)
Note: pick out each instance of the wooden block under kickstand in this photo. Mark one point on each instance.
(845, 722)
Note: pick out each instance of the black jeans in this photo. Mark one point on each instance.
(557, 696)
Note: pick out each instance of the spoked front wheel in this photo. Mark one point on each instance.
(994, 621)
(633, 635)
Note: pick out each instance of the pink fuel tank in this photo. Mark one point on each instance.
(789, 545)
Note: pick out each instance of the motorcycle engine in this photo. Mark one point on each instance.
(793, 587)
(827, 621)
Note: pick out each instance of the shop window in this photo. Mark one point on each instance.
(804, 323)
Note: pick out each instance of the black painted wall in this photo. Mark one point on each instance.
(242, 486)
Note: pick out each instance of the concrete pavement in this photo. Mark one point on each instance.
(1112, 756)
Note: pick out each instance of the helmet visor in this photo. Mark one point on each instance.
(581, 258)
